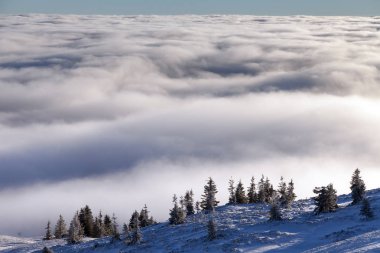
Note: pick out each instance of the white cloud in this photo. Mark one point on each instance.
(89, 99)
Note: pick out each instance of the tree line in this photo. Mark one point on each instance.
(84, 224)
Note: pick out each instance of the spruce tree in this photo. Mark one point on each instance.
(48, 235)
(136, 236)
(231, 190)
(261, 195)
(87, 221)
(144, 217)
(209, 201)
(60, 228)
(134, 220)
(252, 195)
(269, 191)
(76, 230)
(241, 198)
(275, 213)
(197, 207)
(98, 228)
(290, 195)
(189, 203)
(115, 230)
(107, 224)
(211, 229)
(366, 209)
(282, 192)
(177, 214)
(357, 188)
(326, 199)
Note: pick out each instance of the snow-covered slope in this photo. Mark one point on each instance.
(243, 228)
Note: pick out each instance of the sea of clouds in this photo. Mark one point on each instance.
(119, 111)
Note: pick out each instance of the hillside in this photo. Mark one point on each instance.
(243, 228)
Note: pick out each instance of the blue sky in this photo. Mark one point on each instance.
(262, 7)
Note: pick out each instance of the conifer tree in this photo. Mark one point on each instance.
(357, 188)
(366, 209)
(197, 206)
(275, 213)
(107, 224)
(144, 217)
(48, 235)
(326, 199)
(189, 203)
(76, 230)
(282, 192)
(252, 195)
(211, 229)
(98, 228)
(134, 220)
(136, 236)
(261, 196)
(290, 195)
(87, 221)
(231, 190)
(115, 230)
(209, 201)
(269, 191)
(60, 228)
(177, 214)
(241, 198)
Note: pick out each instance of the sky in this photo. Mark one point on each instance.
(121, 111)
(135, 7)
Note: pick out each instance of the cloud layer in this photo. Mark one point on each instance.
(91, 98)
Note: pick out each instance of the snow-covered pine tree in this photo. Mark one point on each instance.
(76, 230)
(144, 217)
(60, 228)
(134, 220)
(177, 215)
(282, 192)
(326, 199)
(290, 195)
(357, 188)
(197, 206)
(261, 195)
(189, 203)
(136, 235)
(209, 201)
(211, 229)
(270, 193)
(252, 195)
(275, 212)
(87, 221)
(48, 235)
(115, 230)
(107, 225)
(231, 190)
(241, 198)
(366, 209)
(98, 228)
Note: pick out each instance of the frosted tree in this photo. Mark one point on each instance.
(87, 221)
(366, 209)
(290, 195)
(211, 229)
(60, 228)
(136, 235)
(126, 233)
(76, 230)
(107, 225)
(275, 212)
(261, 195)
(282, 192)
(241, 198)
(98, 227)
(134, 220)
(177, 215)
(144, 217)
(231, 190)
(270, 193)
(115, 230)
(197, 206)
(48, 235)
(189, 202)
(326, 199)
(252, 195)
(357, 188)
(209, 201)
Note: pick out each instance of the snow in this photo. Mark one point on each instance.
(242, 228)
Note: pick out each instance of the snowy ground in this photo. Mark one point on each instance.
(242, 228)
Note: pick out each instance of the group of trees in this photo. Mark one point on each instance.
(84, 224)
